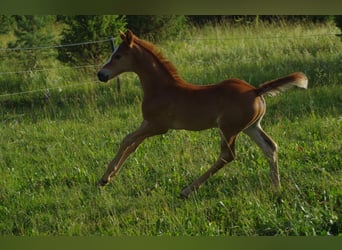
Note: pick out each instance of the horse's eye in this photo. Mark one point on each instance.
(117, 57)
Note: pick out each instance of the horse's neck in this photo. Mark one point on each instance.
(152, 74)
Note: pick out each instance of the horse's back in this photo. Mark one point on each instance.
(237, 85)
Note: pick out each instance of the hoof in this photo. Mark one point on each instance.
(184, 194)
(102, 183)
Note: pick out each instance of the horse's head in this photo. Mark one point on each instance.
(121, 59)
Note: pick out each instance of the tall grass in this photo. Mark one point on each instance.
(53, 150)
(258, 53)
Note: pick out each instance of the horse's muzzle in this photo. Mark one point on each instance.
(103, 76)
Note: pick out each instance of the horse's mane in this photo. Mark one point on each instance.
(166, 63)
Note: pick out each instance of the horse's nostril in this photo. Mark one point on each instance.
(103, 77)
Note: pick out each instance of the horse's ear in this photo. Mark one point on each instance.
(122, 35)
(129, 38)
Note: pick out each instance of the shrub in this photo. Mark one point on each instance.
(84, 28)
(32, 31)
(7, 23)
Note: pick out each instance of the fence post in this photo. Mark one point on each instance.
(118, 82)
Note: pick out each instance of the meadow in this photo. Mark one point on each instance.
(54, 150)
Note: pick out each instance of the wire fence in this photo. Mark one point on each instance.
(48, 69)
(8, 52)
(56, 46)
(110, 40)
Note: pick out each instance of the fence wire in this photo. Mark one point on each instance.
(54, 46)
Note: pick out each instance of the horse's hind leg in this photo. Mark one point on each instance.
(269, 148)
(227, 155)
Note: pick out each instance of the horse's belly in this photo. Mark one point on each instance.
(193, 123)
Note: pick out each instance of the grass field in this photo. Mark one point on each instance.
(53, 152)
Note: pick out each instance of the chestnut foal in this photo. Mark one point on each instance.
(169, 102)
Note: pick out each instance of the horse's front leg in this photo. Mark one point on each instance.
(128, 146)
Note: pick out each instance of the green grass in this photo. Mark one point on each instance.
(53, 152)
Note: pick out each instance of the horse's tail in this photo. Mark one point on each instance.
(273, 87)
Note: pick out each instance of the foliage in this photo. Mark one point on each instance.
(338, 20)
(84, 28)
(7, 23)
(156, 27)
(32, 31)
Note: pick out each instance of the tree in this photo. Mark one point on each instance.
(156, 27)
(88, 28)
(7, 23)
(33, 31)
